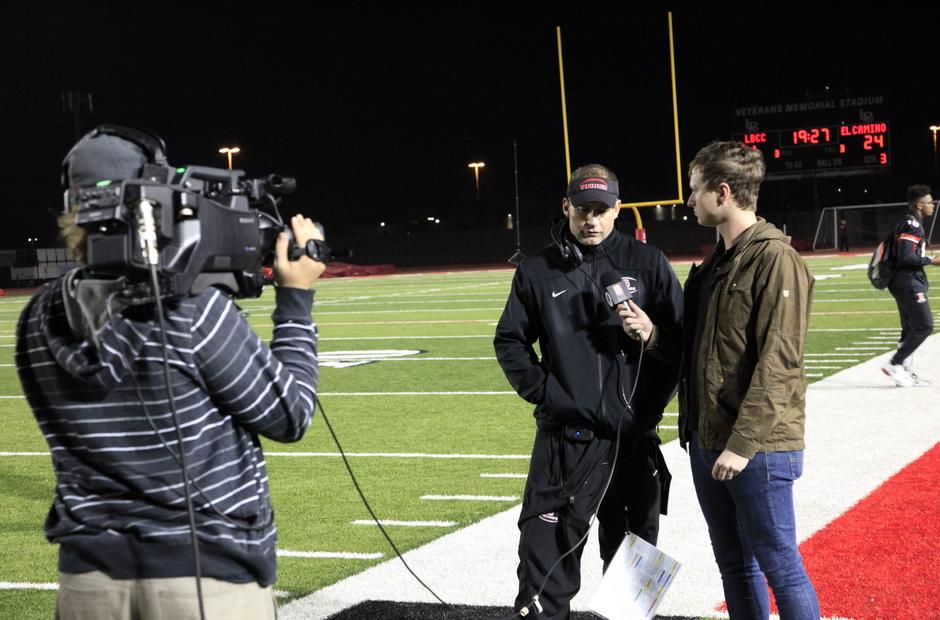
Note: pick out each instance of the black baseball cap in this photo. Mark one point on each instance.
(111, 152)
(585, 189)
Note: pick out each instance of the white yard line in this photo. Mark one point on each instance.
(490, 336)
(470, 498)
(850, 300)
(455, 393)
(339, 555)
(396, 455)
(437, 359)
(18, 585)
(392, 522)
(854, 312)
(317, 313)
(856, 329)
(522, 476)
(262, 325)
(441, 300)
(861, 348)
(363, 455)
(499, 393)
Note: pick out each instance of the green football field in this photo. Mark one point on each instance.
(410, 383)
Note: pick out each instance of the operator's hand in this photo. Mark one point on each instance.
(636, 323)
(300, 273)
(728, 466)
(935, 260)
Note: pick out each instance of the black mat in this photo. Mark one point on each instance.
(390, 610)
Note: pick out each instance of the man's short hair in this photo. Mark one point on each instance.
(915, 193)
(734, 163)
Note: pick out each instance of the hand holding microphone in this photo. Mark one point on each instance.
(636, 323)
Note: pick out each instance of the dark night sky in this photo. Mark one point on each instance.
(378, 111)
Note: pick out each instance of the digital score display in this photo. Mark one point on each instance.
(823, 150)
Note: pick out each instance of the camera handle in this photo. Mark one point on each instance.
(316, 249)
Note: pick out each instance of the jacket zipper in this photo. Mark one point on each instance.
(600, 370)
(726, 284)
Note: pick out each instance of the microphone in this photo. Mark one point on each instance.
(617, 290)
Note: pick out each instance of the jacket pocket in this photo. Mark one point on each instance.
(737, 302)
(727, 394)
(558, 407)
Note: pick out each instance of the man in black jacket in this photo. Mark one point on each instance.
(594, 404)
(908, 286)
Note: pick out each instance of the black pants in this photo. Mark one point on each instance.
(565, 482)
(916, 321)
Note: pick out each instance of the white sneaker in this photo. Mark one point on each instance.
(901, 377)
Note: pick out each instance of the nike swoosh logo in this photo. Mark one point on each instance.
(554, 294)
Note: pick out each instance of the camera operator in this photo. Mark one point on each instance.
(92, 372)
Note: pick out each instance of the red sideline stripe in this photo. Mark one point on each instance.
(881, 558)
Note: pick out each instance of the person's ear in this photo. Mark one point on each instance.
(724, 193)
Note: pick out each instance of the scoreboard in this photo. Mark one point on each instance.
(823, 150)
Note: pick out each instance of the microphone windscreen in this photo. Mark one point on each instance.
(609, 278)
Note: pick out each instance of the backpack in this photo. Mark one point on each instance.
(882, 265)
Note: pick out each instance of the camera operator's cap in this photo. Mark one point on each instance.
(110, 152)
(582, 190)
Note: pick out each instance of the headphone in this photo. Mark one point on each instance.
(570, 253)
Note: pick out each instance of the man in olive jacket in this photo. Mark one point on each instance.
(742, 386)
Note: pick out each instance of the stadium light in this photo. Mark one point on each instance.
(476, 165)
(230, 150)
(935, 129)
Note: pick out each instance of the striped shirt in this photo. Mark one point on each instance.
(119, 505)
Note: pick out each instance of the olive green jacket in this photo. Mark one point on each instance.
(750, 375)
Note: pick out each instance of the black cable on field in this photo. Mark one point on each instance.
(365, 502)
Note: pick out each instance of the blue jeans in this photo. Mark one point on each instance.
(752, 527)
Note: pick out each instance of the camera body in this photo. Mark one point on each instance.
(208, 225)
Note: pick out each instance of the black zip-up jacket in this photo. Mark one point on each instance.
(588, 364)
(910, 255)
